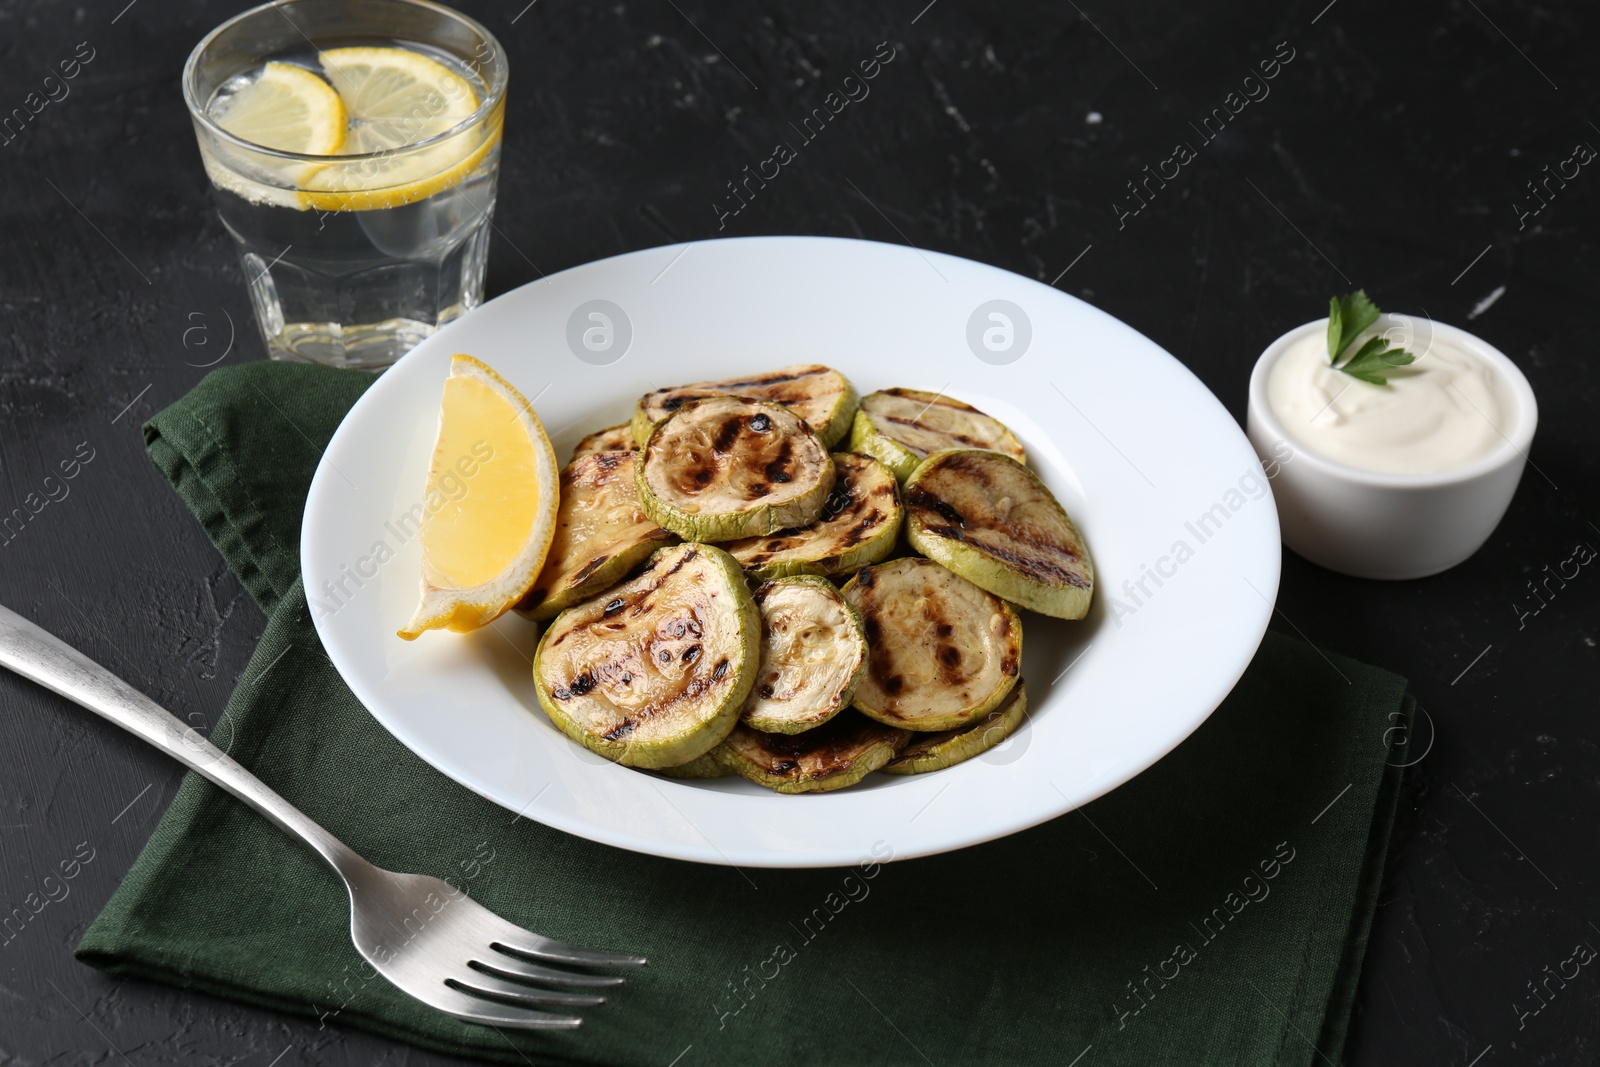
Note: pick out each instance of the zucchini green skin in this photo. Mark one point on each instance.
(902, 426)
(585, 687)
(788, 386)
(641, 425)
(865, 439)
(860, 524)
(935, 752)
(761, 711)
(837, 426)
(699, 767)
(1043, 565)
(837, 754)
(945, 664)
(752, 518)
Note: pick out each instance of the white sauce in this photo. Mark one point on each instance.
(1448, 409)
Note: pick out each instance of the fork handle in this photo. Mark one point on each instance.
(54, 664)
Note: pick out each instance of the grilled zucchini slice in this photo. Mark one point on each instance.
(992, 521)
(654, 672)
(820, 395)
(840, 752)
(935, 752)
(601, 534)
(902, 426)
(859, 524)
(700, 767)
(725, 467)
(944, 652)
(813, 653)
(610, 439)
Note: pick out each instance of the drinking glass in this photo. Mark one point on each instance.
(352, 259)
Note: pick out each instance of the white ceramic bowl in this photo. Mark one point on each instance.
(1373, 525)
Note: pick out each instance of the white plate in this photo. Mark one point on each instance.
(1134, 446)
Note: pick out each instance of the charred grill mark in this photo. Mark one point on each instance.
(774, 379)
(760, 423)
(872, 630)
(607, 461)
(823, 752)
(702, 477)
(673, 402)
(915, 424)
(588, 570)
(728, 433)
(1008, 666)
(940, 400)
(666, 656)
(640, 605)
(691, 691)
(866, 577)
(779, 469)
(721, 669)
(1034, 564)
(1042, 541)
(966, 465)
(926, 501)
(950, 656)
(893, 684)
(858, 533)
(841, 499)
(681, 628)
(621, 730)
(944, 629)
(614, 606)
(691, 654)
(766, 691)
(757, 490)
(582, 684)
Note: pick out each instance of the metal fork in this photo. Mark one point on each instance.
(426, 936)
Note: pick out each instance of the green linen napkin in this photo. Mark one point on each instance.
(1213, 911)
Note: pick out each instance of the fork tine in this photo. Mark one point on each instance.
(543, 948)
(511, 966)
(499, 1013)
(482, 982)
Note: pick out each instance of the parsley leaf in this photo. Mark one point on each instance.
(1347, 317)
(1374, 358)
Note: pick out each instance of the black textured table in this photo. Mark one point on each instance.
(1392, 148)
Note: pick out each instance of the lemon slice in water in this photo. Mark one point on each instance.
(395, 98)
(287, 108)
(489, 508)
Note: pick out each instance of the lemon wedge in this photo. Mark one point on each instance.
(489, 509)
(395, 98)
(287, 108)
